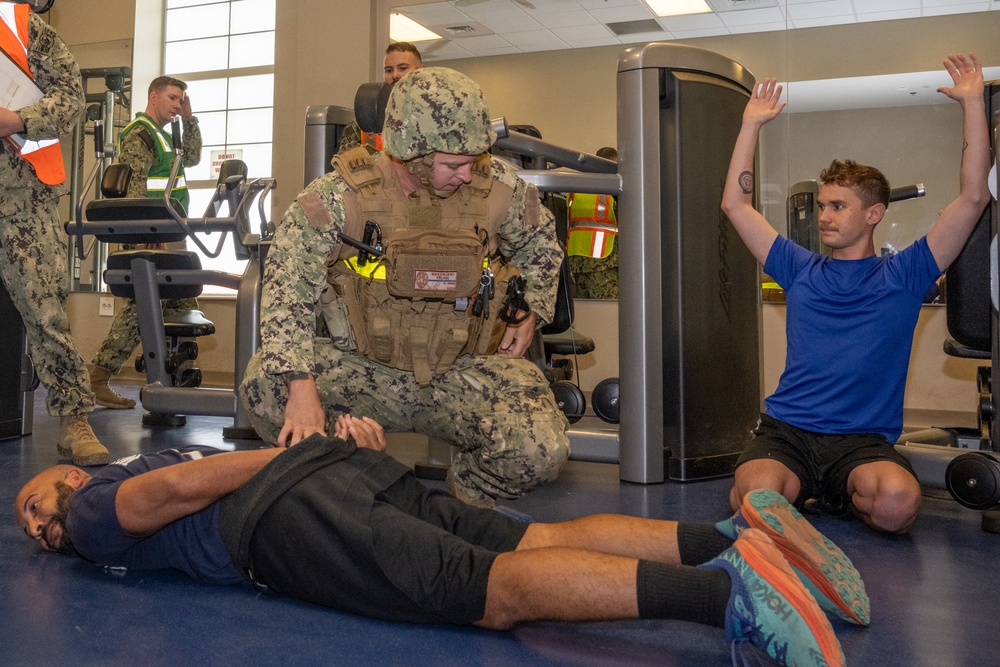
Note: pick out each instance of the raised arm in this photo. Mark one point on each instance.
(737, 197)
(148, 502)
(952, 228)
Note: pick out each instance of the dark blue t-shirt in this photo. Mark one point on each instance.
(192, 544)
(850, 329)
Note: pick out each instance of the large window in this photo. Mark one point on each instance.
(224, 50)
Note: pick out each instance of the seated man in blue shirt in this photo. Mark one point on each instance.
(342, 524)
(828, 428)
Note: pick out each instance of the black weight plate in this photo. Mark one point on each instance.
(570, 400)
(605, 399)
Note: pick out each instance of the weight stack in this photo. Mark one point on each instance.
(689, 298)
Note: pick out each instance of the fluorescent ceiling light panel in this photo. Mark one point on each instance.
(405, 29)
(678, 7)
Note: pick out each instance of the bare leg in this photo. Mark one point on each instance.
(559, 584)
(763, 474)
(885, 495)
(613, 534)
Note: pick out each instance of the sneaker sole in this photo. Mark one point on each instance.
(829, 570)
(769, 563)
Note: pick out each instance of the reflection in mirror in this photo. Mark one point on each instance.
(837, 108)
(899, 124)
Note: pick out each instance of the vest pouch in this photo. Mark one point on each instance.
(333, 306)
(349, 290)
(433, 336)
(433, 264)
(486, 331)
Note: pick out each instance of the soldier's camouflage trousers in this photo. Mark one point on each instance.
(34, 267)
(124, 335)
(498, 410)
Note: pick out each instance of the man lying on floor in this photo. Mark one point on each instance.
(336, 521)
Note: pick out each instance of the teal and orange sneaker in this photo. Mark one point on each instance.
(823, 568)
(770, 608)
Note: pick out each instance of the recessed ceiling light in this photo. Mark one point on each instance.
(404, 29)
(678, 7)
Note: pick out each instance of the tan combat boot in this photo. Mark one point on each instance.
(77, 441)
(104, 395)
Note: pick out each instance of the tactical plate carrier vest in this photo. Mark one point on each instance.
(415, 307)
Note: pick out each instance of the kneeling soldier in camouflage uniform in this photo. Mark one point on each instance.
(406, 286)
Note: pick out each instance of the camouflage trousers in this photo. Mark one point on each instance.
(499, 412)
(595, 278)
(35, 269)
(124, 336)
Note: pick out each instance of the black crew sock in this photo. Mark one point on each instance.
(682, 592)
(699, 543)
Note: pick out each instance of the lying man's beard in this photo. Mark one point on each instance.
(65, 546)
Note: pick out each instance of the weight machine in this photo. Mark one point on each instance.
(150, 275)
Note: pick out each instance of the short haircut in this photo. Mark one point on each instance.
(160, 83)
(405, 47)
(867, 182)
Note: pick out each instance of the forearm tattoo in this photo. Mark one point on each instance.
(746, 182)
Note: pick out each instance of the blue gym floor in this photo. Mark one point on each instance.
(934, 593)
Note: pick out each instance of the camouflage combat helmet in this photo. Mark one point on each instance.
(436, 109)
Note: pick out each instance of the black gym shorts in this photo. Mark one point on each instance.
(821, 461)
(362, 535)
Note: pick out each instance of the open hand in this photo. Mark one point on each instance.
(967, 74)
(763, 105)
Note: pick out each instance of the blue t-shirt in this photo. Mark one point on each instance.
(192, 544)
(850, 329)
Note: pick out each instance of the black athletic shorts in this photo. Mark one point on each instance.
(362, 535)
(821, 461)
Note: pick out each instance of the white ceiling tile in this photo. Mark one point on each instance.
(501, 18)
(530, 37)
(554, 6)
(691, 22)
(768, 15)
(552, 45)
(822, 21)
(821, 9)
(442, 49)
(628, 13)
(982, 5)
(873, 6)
(941, 10)
(889, 16)
(567, 19)
(597, 4)
(706, 32)
(582, 32)
(478, 44)
(503, 51)
(757, 27)
(646, 37)
(436, 13)
(587, 43)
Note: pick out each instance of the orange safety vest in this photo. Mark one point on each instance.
(593, 225)
(44, 155)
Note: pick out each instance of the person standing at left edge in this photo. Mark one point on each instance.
(33, 253)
